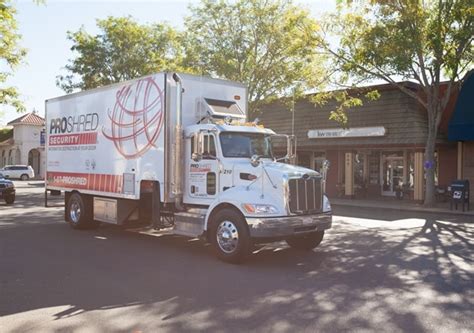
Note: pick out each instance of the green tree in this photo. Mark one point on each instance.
(123, 50)
(429, 42)
(11, 54)
(265, 44)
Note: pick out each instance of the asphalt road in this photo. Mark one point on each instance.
(375, 271)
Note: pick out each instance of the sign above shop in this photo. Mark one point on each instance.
(354, 132)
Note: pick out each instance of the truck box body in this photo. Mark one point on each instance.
(107, 140)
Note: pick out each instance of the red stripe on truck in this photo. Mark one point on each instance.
(85, 181)
(73, 139)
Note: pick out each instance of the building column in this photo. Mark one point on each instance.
(17, 156)
(460, 160)
(349, 174)
(419, 176)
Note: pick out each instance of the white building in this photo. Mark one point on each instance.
(26, 145)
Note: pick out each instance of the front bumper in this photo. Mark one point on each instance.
(281, 227)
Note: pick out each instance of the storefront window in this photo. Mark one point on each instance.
(411, 170)
(374, 170)
(359, 177)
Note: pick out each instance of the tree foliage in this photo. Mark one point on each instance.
(11, 54)
(429, 42)
(265, 44)
(123, 50)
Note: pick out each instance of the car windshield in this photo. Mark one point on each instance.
(238, 144)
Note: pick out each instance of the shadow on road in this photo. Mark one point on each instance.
(359, 279)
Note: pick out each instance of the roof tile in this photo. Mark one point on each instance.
(28, 119)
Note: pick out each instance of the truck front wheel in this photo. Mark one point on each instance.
(79, 212)
(306, 242)
(230, 236)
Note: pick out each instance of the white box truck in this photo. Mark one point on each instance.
(176, 150)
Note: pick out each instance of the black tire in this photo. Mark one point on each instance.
(24, 177)
(9, 200)
(79, 212)
(306, 242)
(227, 224)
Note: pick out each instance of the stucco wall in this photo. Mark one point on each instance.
(25, 139)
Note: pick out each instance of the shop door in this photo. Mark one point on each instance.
(392, 174)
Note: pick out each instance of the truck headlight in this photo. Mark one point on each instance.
(326, 205)
(259, 209)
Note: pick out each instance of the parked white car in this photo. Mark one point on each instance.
(23, 172)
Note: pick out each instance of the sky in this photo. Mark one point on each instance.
(44, 28)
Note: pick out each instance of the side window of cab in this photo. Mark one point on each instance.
(209, 147)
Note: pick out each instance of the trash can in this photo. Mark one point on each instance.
(459, 193)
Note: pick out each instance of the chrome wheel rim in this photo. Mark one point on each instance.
(227, 237)
(75, 212)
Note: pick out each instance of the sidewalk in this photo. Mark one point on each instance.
(39, 183)
(441, 207)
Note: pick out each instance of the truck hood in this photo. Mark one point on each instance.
(269, 186)
(274, 170)
(292, 171)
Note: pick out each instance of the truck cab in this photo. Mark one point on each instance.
(250, 194)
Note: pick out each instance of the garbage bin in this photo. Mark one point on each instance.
(459, 193)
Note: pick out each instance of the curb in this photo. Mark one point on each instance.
(409, 209)
(38, 183)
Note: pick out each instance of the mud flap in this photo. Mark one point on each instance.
(155, 206)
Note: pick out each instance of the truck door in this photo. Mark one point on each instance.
(202, 182)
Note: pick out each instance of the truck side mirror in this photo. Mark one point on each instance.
(324, 173)
(326, 164)
(255, 161)
(290, 142)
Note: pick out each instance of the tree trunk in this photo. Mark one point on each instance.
(430, 163)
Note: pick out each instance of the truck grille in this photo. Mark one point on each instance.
(305, 195)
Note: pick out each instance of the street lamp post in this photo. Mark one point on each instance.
(295, 86)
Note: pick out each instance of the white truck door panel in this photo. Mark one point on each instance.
(202, 182)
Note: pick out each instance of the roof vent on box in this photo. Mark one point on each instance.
(221, 109)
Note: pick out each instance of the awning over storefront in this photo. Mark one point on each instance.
(461, 125)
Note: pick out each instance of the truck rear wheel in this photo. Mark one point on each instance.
(79, 212)
(306, 242)
(230, 236)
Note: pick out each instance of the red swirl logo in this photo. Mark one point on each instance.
(136, 118)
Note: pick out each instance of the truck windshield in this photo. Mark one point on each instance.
(238, 144)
